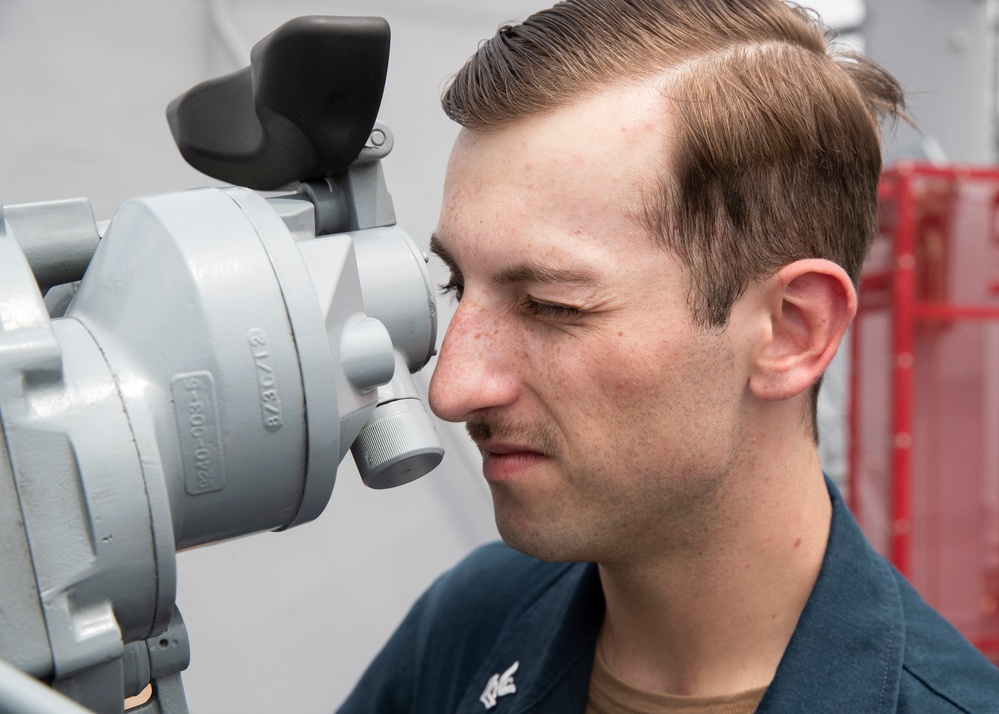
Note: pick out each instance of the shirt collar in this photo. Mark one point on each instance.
(851, 632)
(846, 651)
(553, 642)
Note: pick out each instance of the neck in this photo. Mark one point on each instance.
(715, 619)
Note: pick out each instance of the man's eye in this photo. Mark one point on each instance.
(551, 311)
(454, 288)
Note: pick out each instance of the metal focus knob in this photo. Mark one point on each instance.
(397, 445)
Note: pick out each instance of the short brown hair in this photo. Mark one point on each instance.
(776, 153)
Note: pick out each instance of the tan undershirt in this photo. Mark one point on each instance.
(609, 695)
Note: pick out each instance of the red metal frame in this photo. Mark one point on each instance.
(894, 288)
(903, 298)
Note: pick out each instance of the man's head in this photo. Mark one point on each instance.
(775, 150)
(654, 257)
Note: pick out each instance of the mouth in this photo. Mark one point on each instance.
(503, 462)
(495, 447)
(511, 451)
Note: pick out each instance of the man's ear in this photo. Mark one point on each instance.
(812, 303)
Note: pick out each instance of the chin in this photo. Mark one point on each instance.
(543, 529)
(542, 543)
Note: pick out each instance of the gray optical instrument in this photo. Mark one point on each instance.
(196, 369)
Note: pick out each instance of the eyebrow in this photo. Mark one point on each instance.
(543, 273)
(438, 249)
(523, 272)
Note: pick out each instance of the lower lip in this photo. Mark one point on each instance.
(499, 468)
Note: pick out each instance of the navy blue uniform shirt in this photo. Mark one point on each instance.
(505, 633)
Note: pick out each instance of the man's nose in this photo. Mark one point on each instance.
(475, 367)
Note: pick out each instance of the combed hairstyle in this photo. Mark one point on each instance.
(775, 149)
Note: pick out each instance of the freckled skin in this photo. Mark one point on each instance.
(641, 413)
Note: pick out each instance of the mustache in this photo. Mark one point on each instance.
(538, 437)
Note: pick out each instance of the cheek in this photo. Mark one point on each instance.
(676, 381)
(610, 382)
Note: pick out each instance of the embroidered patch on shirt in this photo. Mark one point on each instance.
(499, 685)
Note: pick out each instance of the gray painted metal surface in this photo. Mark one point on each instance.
(943, 53)
(211, 370)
